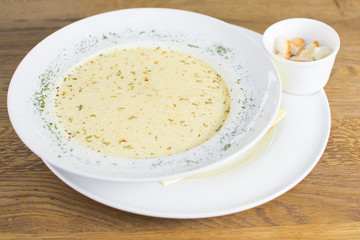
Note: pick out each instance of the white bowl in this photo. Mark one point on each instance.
(303, 77)
(250, 74)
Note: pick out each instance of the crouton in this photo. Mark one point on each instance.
(320, 52)
(308, 51)
(282, 47)
(295, 45)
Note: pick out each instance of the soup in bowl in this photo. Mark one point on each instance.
(133, 96)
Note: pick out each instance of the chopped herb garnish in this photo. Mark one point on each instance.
(226, 147)
(193, 46)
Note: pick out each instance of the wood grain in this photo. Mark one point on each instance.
(35, 204)
(309, 231)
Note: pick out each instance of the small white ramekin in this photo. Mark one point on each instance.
(303, 77)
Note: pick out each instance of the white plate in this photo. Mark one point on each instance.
(299, 141)
(251, 77)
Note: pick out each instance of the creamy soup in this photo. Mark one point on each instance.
(141, 102)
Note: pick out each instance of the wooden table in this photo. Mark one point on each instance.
(35, 204)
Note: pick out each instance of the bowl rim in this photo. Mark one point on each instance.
(44, 158)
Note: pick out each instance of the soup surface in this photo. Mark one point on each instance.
(141, 102)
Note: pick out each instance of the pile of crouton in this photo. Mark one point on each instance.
(296, 50)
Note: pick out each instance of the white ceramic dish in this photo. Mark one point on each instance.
(303, 77)
(248, 71)
(299, 141)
